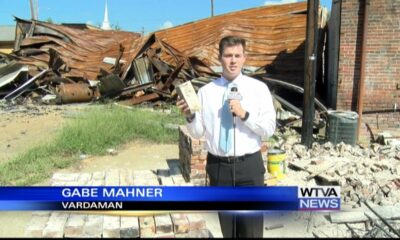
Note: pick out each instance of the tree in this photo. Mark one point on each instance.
(116, 27)
(49, 20)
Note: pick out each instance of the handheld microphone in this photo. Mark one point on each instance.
(234, 94)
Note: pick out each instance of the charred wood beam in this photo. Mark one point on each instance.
(172, 77)
(174, 53)
(161, 66)
(141, 99)
(150, 41)
(162, 93)
(310, 70)
(117, 66)
(200, 68)
(136, 88)
(55, 61)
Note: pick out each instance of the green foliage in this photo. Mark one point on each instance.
(91, 133)
(116, 27)
(50, 20)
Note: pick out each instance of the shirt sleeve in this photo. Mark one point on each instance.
(196, 127)
(262, 122)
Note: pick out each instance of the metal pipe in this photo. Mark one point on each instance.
(77, 92)
(294, 88)
(360, 101)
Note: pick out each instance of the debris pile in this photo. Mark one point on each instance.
(63, 64)
(364, 174)
(368, 177)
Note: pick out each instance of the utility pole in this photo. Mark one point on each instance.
(34, 9)
(310, 70)
(212, 8)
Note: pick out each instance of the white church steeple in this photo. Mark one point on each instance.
(106, 24)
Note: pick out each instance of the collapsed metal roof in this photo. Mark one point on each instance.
(82, 50)
(130, 66)
(274, 34)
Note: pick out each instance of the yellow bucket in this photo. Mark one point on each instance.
(276, 163)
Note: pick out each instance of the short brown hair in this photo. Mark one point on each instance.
(230, 41)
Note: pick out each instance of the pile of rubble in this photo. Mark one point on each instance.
(364, 173)
(53, 63)
(368, 176)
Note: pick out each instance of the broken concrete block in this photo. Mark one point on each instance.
(74, 226)
(112, 178)
(301, 151)
(55, 225)
(147, 226)
(129, 227)
(163, 223)
(93, 227)
(36, 226)
(348, 217)
(180, 222)
(111, 227)
(125, 177)
(196, 221)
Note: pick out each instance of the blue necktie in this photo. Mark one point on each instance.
(226, 130)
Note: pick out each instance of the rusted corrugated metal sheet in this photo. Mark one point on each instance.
(82, 50)
(153, 65)
(275, 37)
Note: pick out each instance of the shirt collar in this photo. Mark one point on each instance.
(225, 82)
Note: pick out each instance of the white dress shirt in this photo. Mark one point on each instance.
(256, 100)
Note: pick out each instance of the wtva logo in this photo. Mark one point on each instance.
(319, 198)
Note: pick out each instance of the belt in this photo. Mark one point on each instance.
(232, 159)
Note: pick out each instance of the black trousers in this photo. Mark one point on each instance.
(249, 171)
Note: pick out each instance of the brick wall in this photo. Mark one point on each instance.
(382, 69)
(383, 121)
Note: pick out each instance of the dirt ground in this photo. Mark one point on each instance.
(22, 130)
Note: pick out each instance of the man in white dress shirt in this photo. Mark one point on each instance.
(237, 161)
